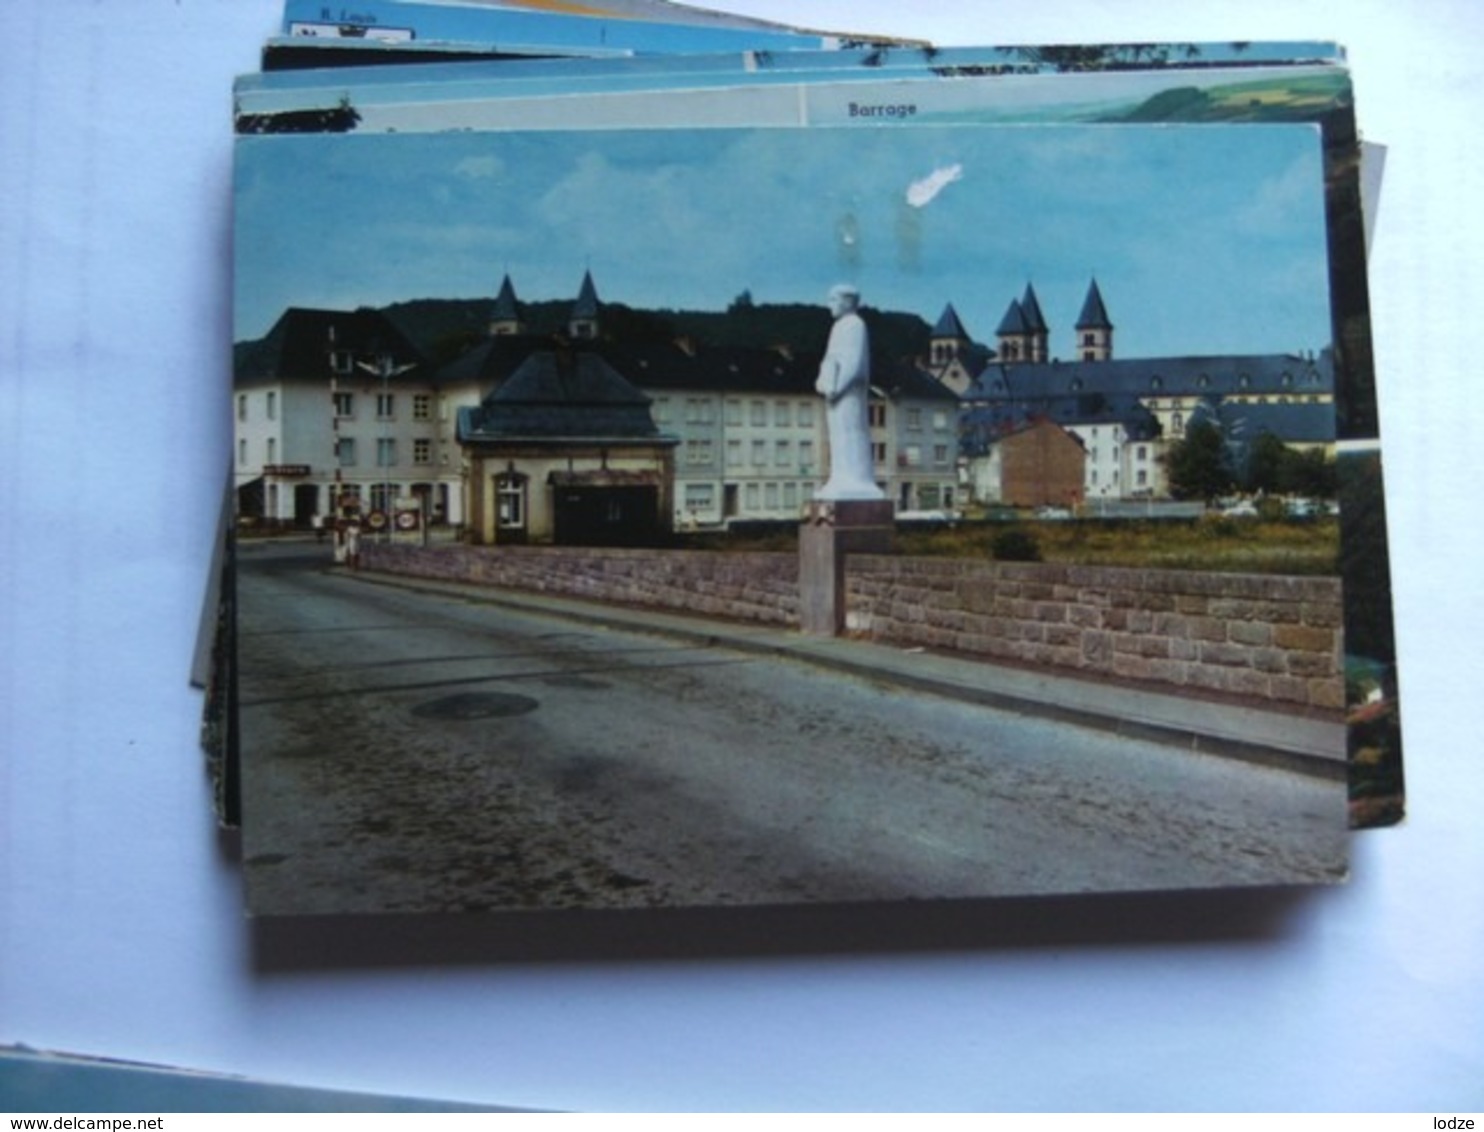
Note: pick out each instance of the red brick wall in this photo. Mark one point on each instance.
(1274, 638)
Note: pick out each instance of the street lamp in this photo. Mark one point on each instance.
(386, 370)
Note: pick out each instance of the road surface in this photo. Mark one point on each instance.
(405, 751)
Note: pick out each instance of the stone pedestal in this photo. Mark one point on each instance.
(831, 530)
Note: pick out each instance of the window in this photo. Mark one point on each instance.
(698, 410)
(734, 453)
(790, 495)
(382, 495)
(345, 404)
(422, 406)
(940, 419)
(780, 412)
(1177, 425)
(242, 453)
(878, 414)
(510, 501)
(698, 451)
(940, 454)
(804, 414)
(699, 497)
(878, 452)
(346, 451)
(1143, 479)
(753, 497)
(758, 413)
(759, 453)
(272, 405)
(1089, 339)
(272, 450)
(386, 405)
(914, 419)
(912, 455)
(1142, 452)
(386, 452)
(242, 406)
(782, 454)
(341, 361)
(770, 492)
(927, 497)
(422, 451)
(733, 412)
(806, 454)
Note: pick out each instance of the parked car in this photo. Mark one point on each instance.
(1242, 509)
(1049, 512)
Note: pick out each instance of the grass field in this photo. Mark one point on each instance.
(1246, 546)
(1214, 543)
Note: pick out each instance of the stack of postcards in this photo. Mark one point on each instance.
(683, 461)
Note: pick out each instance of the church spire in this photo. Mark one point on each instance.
(505, 318)
(1094, 328)
(1035, 325)
(949, 339)
(583, 321)
(1014, 334)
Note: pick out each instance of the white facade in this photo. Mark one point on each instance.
(355, 434)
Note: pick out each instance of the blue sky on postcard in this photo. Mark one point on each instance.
(1204, 239)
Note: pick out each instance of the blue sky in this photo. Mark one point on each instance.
(1204, 239)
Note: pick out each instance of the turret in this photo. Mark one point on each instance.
(505, 319)
(1094, 329)
(949, 339)
(583, 322)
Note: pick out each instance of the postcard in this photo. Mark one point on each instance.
(396, 21)
(594, 367)
(1304, 90)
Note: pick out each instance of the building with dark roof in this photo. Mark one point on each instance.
(748, 425)
(333, 406)
(1128, 411)
(565, 450)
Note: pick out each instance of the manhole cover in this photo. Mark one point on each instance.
(476, 705)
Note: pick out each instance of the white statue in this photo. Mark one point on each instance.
(845, 383)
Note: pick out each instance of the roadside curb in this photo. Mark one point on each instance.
(1310, 746)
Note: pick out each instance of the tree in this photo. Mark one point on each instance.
(1197, 465)
(1266, 465)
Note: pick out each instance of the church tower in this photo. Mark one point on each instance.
(1094, 330)
(1014, 335)
(949, 339)
(505, 319)
(582, 323)
(1037, 331)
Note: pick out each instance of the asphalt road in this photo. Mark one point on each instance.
(412, 752)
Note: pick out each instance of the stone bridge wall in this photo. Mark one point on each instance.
(1273, 638)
